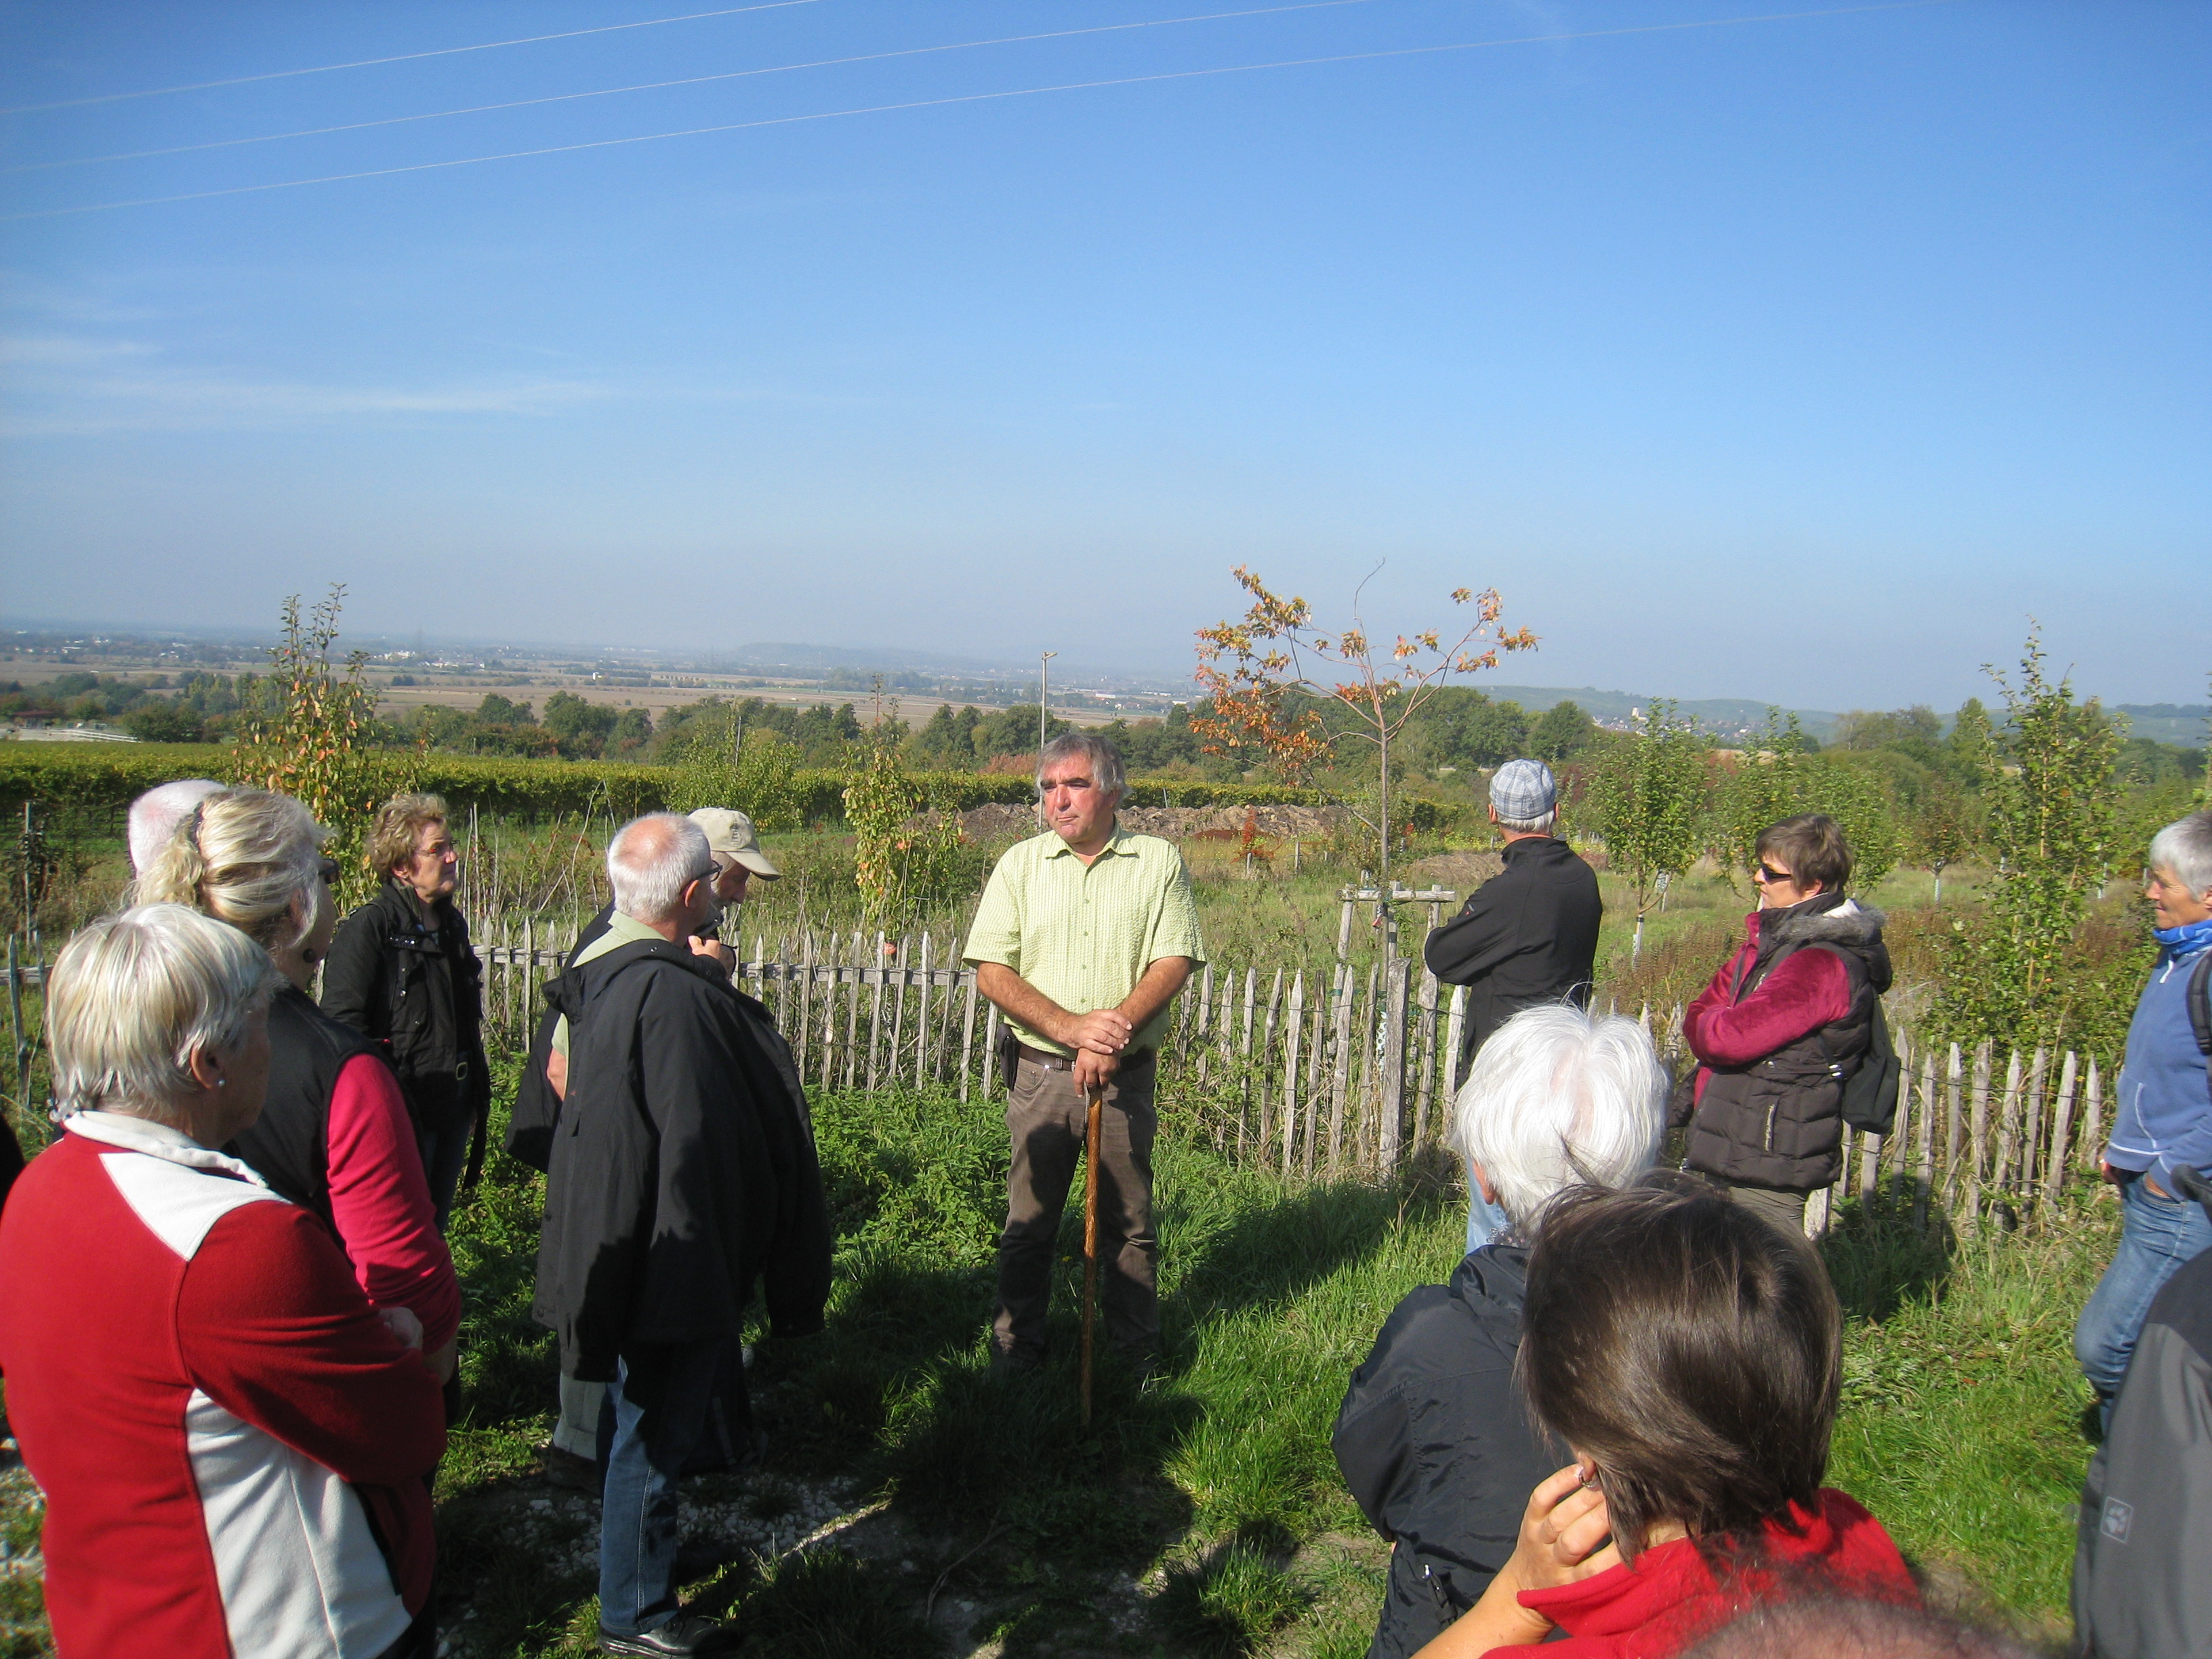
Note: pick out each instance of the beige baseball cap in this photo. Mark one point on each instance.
(731, 836)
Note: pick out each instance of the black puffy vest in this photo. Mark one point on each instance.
(1779, 1122)
(289, 1145)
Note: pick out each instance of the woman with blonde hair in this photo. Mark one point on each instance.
(334, 1137)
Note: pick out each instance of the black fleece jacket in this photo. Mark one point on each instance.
(677, 1180)
(1526, 937)
(1436, 1448)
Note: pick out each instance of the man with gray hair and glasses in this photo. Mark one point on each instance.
(1432, 1439)
(1083, 936)
(676, 1184)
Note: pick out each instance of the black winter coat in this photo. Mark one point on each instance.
(1526, 937)
(419, 985)
(1437, 1449)
(677, 1180)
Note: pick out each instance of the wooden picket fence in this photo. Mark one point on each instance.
(1350, 1071)
(1344, 1073)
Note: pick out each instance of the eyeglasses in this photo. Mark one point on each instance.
(1768, 873)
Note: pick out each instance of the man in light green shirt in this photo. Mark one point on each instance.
(1083, 936)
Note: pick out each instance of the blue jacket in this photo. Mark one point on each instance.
(2165, 1119)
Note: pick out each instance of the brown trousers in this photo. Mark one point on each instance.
(1046, 1117)
(1785, 1211)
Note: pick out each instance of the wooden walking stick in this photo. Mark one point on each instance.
(1090, 1237)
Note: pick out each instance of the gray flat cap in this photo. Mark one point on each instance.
(1524, 790)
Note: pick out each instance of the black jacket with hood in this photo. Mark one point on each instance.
(1526, 937)
(678, 1182)
(1436, 1448)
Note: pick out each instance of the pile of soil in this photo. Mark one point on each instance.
(1461, 872)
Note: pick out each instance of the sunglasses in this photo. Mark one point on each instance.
(1768, 873)
(330, 873)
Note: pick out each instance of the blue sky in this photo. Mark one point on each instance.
(1801, 359)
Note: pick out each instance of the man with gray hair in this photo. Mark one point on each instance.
(1526, 937)
(1431, 1437)
(1083, 936)
(676, 1182)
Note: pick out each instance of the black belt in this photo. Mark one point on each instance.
(1066, 1062)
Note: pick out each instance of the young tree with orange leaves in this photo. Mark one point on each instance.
(1254, 670)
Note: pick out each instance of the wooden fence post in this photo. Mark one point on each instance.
(2062, 1120)
(2093, 1132)
(1391, 1032)
(1317, 1074)
(1424, 1039)
(2032, 1126)
(2001, 1176)
(1925, 1183)
(967, 1032)
(1454, 1036)
(921, 1017)
(1978, 1134)
(1293, 1035)
(1340, 1079)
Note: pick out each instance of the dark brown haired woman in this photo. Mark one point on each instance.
(1783, 1026)
(1689, 1356)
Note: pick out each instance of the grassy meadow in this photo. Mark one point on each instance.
(909, 1504)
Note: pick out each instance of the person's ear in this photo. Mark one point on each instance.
(206, 1068)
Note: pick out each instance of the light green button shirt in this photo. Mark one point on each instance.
(1085, 935)
(620, 930)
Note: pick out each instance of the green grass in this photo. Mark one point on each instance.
(1963, 1419)
(1200, 1513)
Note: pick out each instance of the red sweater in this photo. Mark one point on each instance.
(1809, 989)
(1667, 1597)
(212, 1408)
(381, 1202)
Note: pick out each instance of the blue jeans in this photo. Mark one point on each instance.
(1485, 1220)
(444, 1155)
(2157, 1237)
(654, 1412)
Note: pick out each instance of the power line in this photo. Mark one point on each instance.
(687, 81)
(988, 97)
(400, 58)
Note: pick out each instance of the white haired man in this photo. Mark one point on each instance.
(571, 1455)
(1083, 936)
(1431, 1437)
(155, 815)
(676, 1183)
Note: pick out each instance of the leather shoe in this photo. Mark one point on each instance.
(565, 1468)
(686, 1633)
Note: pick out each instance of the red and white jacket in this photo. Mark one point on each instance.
(222, 1427)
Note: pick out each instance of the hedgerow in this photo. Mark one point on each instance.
(107, 775)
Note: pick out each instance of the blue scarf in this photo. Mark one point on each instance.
(2185, 941)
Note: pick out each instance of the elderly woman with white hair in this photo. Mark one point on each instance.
(1432, 1437)
(334, 1137)
(2163, 1131)
(231, 1441)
